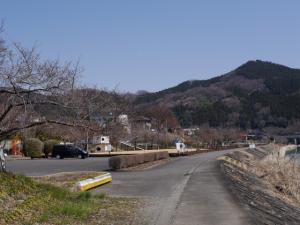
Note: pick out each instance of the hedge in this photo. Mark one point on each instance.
(48, 146)
(124, 161)
(33, 147)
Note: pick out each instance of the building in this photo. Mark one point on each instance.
(143, 122)
(293, 139)
(100, 140)
(11, 146)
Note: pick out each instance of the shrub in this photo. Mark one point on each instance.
(150, 157)
(124, 161)
(33, 147)
(48, 146)
(139, 159)
(115, 162)
(162, 155)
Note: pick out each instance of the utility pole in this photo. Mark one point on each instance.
(166, 133)
(87, 140)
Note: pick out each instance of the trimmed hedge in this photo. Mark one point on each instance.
(124, 161)
(48, 146)
(33, 147)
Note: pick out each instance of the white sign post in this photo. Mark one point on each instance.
(180, 147)
(252, 146)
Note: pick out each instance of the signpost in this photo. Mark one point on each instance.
(180, 147)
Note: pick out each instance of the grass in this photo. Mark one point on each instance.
(67, 179)
(282, 175)
(26, 201)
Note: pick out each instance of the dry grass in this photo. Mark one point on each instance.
(67, 179)
(26, 201)
(281, 174)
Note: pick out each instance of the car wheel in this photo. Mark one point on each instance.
(80, 156)
(58, 156)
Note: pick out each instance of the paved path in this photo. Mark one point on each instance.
(39, 167)
(187, 191)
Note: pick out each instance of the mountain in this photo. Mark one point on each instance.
(257, 94)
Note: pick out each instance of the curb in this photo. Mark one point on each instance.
(87, 184)
(190, 153)
(9, 158)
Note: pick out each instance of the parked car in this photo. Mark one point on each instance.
(68, 151)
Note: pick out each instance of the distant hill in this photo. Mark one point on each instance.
(257, 94)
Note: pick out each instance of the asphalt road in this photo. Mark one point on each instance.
(40, 167)
(187, 191)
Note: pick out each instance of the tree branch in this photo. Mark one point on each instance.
(11, 106)
(7, 133)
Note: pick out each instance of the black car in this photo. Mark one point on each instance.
(68, 151)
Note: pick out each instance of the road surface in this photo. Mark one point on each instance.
(40, 167)
(185, 191)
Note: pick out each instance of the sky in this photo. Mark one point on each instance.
(131, 45)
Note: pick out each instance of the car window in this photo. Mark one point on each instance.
(58, 147)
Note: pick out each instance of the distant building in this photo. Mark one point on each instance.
(103, 120)
(190, 131)
(143, 122)
(293, 139)
(100, 140)
(253, 136)
(124, 121)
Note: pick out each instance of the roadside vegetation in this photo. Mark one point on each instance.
(33, 147)
(267, 182)
(125, 161)
(282, 175)
(26, 201)
(67, 179)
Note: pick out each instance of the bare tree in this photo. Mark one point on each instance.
(26, 83)
(34, 92)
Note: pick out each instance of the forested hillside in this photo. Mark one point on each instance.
(258, 94)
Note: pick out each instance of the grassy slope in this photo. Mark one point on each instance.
(25, 201)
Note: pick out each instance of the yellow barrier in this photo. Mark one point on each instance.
(233, 162)
(94, 182)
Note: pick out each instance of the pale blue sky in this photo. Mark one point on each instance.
(155, 44)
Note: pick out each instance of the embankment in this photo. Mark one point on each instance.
(267, 185)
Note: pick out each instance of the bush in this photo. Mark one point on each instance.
(33, 148)
(115, 162)
(162, 155)
(124, 161)
(150, 157)
(48, 146)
